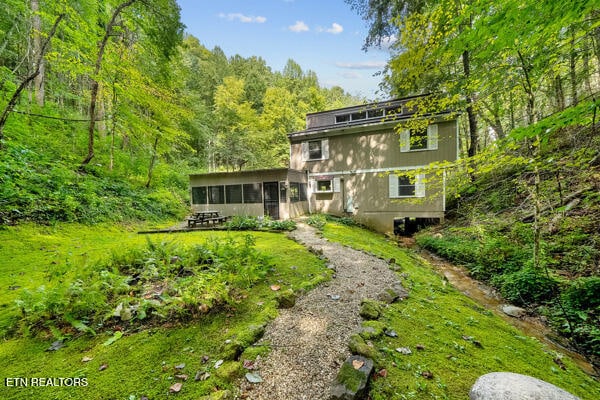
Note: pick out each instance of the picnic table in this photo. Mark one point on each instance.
(206, 217)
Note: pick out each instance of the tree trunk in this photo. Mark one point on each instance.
(95, 85)
(38, 82)
(473, 138)
(152, 161)
(15, 97)
(573, 70)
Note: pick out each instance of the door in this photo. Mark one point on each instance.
(271, 198)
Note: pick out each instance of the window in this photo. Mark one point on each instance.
(233, 194)
(294, 192)
(375, 113)
(419, 139)
(342, 118)
(324, 186)
(315, 150)
(199, 195)
(406, 186)
(216, 195)
(282, 192)
(302, 190)
(252, 193)
(359, 115)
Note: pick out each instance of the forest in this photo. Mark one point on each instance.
(107, 106)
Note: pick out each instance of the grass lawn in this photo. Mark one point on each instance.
(143, 361)
(459, 340)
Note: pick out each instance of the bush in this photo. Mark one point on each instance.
(583, 293)
(316, 220)
(526, 286)
(242, 223)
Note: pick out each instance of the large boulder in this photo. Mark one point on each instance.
(352, 379)
(511, 386)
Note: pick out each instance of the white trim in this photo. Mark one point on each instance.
(419, 186)
(366, 171)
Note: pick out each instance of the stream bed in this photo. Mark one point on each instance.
(487, 297)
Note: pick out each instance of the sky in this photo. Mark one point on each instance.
(325, 36)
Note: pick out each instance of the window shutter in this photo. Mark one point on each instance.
(404, 143)
(420, 185)
(304, 151)
(336, 185)
(325, 149)
(393, 184)
(432, 137)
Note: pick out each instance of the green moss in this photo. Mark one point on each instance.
(229, 370)
(142, 362)
(357, 345)
(349, 377)
(370, 309)
(438, 317)
(372, 329)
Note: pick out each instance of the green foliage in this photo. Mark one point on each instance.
(158, 282)
(242, 223)
(526, 287)
(317, 221)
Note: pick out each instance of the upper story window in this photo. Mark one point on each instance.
(313, 150)
(342, 118)
(419, 139)
(368, 114)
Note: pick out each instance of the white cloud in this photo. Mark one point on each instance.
(299, 26)
(335, 28)
(351, 75)
(243, 18)
(361, 65)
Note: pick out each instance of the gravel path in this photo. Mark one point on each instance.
(310, 340)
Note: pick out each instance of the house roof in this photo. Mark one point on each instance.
(377, 115)
(245, 172)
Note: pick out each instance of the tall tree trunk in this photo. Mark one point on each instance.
(573, 69)
(38, 82)
(15, 97)
(95, 85)
(152, 161)
(473, 138)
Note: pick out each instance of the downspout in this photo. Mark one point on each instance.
(308, 191)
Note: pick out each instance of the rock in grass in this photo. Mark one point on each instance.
(229, 370)
(370, 309)
(218, 395)
(509, 386)
(357, 345)
(371, 330)
(513, 311)
(286, 299)
(352, 378)
(393, 294)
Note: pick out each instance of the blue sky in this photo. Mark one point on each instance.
(325, 36)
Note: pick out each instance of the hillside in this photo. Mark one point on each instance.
(526, 219)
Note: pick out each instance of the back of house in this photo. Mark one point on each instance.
(369, 162)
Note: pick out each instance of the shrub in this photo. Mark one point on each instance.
(316, 220)
(583, 293)
(526, 286)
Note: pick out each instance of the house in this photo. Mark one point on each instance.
(280, 193)
(352, 161)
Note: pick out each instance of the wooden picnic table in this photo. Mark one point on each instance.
(206, 217)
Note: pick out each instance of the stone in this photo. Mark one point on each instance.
(351, 382)
(370, 309)
(393, 294)
(511, 386)
(229, 370)
(513, 311)
(218, 395)
(372, 330)
(286, 299)
(357, 345)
